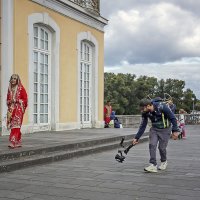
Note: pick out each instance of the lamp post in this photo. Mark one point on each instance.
(192, 105)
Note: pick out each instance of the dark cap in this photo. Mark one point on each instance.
(145, 102)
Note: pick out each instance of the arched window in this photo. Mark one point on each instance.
(41, 74)
(44, 43)
(85, 83)
(88, 90)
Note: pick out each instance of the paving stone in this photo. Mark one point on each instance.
(99, 177)
(11, 194)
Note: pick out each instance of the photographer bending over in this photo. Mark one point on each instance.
(163, 122)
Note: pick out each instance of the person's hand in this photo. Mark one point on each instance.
(175, 135)
(135, 141)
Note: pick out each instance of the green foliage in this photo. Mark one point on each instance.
(197, 105)
(126, 90)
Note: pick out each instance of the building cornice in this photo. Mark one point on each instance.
(74, 11)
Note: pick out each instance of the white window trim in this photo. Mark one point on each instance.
(95, 50)
(45, 19)
(49, 72)
(6, 56)
(87, 124)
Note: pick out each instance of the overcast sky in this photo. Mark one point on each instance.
(159, 38)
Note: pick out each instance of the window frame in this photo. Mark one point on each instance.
(42, 63)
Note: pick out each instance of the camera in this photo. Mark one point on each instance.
(120, 157)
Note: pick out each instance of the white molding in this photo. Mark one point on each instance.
(76, 12)
(68, 126)
(31, 128)
(45, 19)
(6, 55)
(25, 129)
(95, 48)
(99, 124)
(59, 127)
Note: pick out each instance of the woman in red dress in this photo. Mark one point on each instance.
(107, 113)
(17, 103)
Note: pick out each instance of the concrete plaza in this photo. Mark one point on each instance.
(99, 177)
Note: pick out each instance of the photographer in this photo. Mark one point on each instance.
(163, 122)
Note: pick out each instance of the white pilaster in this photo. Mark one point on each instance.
(6, 55)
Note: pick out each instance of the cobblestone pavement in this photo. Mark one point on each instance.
(100, 177)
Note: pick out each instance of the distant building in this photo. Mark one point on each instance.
(57, 48)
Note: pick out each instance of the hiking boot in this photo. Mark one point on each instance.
(151, 168)
(163, 165)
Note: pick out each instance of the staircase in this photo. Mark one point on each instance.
(10, 161)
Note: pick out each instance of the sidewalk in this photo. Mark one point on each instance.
(99, 177)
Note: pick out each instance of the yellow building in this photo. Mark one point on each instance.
(57, 48)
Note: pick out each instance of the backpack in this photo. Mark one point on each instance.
(164, 123)
(116, 123)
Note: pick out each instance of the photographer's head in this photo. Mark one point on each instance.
(146, 105)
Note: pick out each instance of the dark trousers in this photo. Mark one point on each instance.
(160, 138)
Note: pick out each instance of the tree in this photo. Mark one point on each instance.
(187, 101)
(117, 89)
(126, 90)
(197, 105)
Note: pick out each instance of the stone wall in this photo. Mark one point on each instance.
(129, 121)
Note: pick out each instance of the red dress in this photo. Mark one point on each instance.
(17, 103)
(107, 113)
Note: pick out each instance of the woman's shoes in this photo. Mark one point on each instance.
(11, 146)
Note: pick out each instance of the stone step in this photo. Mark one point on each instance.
(18, 160)
(59, 147)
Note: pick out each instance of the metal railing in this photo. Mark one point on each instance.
(192, 119)
(91, 5)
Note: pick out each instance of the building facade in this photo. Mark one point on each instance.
(57, 48)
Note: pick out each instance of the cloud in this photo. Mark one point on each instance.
(111, 6)
(154, 37)
(159, 34)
